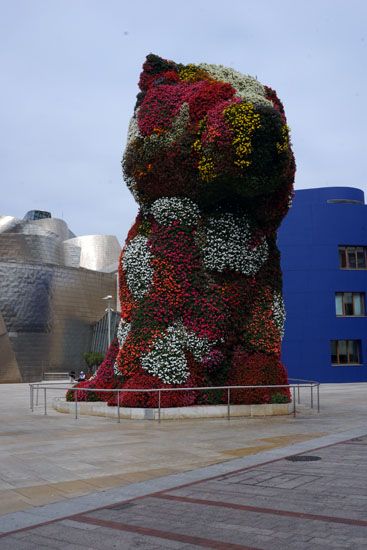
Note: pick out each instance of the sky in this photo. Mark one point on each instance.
(68, 82)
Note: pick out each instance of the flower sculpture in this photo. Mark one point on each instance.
(209, 161)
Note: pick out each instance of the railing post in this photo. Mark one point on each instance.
(318, 398)
(159, 406)
(45, 398)
(294, 401)
(76, 403)
(299, 395)
(31, 397)
(118, 406)
(228, 403)
(38, 387)
(311, 396)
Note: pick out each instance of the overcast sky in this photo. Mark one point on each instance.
(69, 73)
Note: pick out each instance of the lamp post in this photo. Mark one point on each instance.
(108, 309)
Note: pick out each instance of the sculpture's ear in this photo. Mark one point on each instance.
(153, 66)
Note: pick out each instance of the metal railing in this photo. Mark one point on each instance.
(50, 376)
(294, 386)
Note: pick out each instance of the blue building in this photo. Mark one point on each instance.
(323, 245)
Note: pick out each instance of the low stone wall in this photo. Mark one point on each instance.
(100, 408)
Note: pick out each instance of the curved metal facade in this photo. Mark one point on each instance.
(48, 301)
(319, 222)
(97, 252)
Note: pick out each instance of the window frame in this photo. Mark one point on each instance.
(348, 363)
(353, 293)
(348, 248)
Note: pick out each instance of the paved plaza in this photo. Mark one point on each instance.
(93, 483)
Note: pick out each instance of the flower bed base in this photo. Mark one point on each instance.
(99, 408)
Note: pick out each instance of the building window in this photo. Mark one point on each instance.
(346, 352)
(349, 304)
(353, 257)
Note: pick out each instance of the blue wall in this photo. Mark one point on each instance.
(308, 240)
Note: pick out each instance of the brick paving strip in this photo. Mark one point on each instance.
(257, 509)
(157, 522)
(187, 539)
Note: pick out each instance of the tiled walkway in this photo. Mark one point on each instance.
(318, 502)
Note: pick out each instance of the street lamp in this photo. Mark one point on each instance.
(109, 309)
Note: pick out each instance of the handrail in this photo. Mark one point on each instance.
(301, 384)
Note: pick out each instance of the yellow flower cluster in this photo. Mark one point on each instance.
(244, 122)
(192, 73)
(283, 146)
(206, 162)
(206, 168)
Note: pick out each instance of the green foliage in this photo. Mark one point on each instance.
(93, 359)
(279, 398)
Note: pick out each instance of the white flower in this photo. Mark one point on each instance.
(122, 332)
(227, 246)
(116, 370)
(136, 263)
(179, 126)
(133, 134)
(132, 186)
(247, 87)
(169, 209)
(167, 359)
(279, 313)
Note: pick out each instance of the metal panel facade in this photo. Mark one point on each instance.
(48, 308)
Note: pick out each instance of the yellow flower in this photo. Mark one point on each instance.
(206, 162)
(244, 121)
(283, 146)
(192, 73)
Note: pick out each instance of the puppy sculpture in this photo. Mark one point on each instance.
(209, 161)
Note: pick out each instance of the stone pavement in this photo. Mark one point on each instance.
(55, 458)
(316, 499)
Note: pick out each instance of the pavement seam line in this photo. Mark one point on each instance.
(259, 510)
(168, 535)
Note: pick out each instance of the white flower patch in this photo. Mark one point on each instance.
(122, 332)
(133, 131)
(116, 370)
(247, 87)
(227, 246)
(199, 347)
(179, 125)
(167, 359)
(132, 186)
(169, 209)
(136, 263)
(279, 314)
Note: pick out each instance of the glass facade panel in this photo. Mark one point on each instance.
(358, 304)
(353, 257)
(348, 303)
(361, 258)
(345, 352)
(342, 258)
(334, 353)
(339, 303)
(342, 351)
(353, 355)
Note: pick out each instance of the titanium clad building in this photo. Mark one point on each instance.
(51, 285)
(323, 245)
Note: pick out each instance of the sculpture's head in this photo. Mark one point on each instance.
(208, 133)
